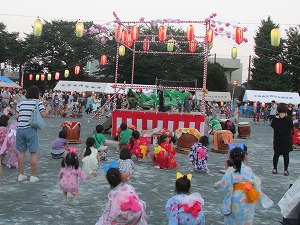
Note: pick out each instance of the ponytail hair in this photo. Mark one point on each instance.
(237, 155)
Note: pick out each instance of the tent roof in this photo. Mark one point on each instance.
(6, 82)
(268, 96)
(214, 96)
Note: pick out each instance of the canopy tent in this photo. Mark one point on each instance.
(214, 96)
(6, 82)
(268, 96)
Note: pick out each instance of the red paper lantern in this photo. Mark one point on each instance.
(30, 77)
(278, 68)
(77, 70)
(129, 41)
(118, 33)
(42, 77)
(146, 44)
(56, 76)
(134, 32)
(210, 36)
(162, 33)
(192, 45)
(124, 36)
(190, 32)
(103, 60)
(239, 35)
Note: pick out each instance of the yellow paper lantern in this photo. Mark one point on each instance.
(37, 77)
(37, 28)
(66, 73)
(49, 76)
(234, 52)
(79, 29)
(275, 37)
(122, 50)
(170, 45)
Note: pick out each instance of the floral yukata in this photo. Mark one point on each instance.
(198, 157)
(235, 208)
(185, 209)
(164, 156)
(124, 207)
(8, 136)
(140, 148)
(69, 179)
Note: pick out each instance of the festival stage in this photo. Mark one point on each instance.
(148, 120)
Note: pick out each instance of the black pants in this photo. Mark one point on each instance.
(286, 160)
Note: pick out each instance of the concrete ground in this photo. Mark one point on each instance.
(41, 202)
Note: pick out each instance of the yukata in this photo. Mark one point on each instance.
(9, 146)
(69, 179)
(140, 148)
(185, 209)
(198, 157)
(235, 208)
(164, 156)
(124, 207)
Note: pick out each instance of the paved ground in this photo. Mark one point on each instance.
(41, 202)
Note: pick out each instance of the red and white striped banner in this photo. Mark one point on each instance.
(145, 120)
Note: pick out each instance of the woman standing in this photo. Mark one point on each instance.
(257, 113)
(282, 142)
(26, 137)
(236, 113)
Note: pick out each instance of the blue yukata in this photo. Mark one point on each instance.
(235, 209)
(185, 209)
(198, 157)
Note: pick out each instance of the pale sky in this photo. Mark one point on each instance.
(19, 15)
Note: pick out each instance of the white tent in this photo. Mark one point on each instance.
(214, 96)
(268, 96)
(79, 86)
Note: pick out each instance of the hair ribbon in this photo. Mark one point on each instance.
(179, 175)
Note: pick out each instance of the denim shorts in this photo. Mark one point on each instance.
(27, 139)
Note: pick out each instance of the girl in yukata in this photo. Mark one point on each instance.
(9, 145)
(185, 208)
(68, 176)
(4, 130)
(138, 146)
(164, 154)
(199, 155)
(243, 190)
(125, 164)
(124, 205)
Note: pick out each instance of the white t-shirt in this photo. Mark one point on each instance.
(89, 164)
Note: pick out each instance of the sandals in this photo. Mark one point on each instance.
(65, 201)
(274, 171)
(286, 173)
(73, 203)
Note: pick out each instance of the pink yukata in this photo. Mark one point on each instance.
(69, 179)
(9, 146)
(124, 207)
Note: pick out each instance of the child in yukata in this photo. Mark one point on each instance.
(125, 164)
(199, 155)
(10, 145)
(185, 208)
(124, 205)
(243, 191)
(4, 130)
(139, 146)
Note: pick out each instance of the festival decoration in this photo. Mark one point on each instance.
(129, 41)
(122, 50)
(37, 28)
(210, 36)
(103, 60)
(56, 76)
(190, 32)
(275, 37)
(49, 76)
(234, 52)
(162, 33)
(146, 44)
(88, 65)
(192, 45)
(170, 45)
(134, 33)
(124, 36)
(77, 70)
(42, 77)
(79, 28)
(278, 68)
(239, 35)
(30, 77)
(37, 77)
(118, 33)
(66, 73)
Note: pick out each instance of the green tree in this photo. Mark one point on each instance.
(266, 56)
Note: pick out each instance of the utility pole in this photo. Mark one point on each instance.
(249, 68)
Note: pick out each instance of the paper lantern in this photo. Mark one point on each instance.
(239, 35)
(122, 50)
(170, 45)
(37, 77)
(103, 60)
(30, 77)
(162, 33)
(210, 36)
(234, 52)
(124, 36)
(278, 68)
(42, 77)
(37, 28)
(77, 70)
(88, 66)
(118, 33)
(190, 32)
(134, 33)
(146, 44)
(79, 28)
(129, 41)
(66, 73)
(49, 76)
(192, 45)
(56, 76)
(275, 37)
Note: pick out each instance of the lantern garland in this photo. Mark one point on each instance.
(37, 77)
(146, 44)
(66, 73)
(77, 70)
(162, 33)
(134, 33)
(42, 77)
(56, 76)
(239, 35)
(170, 45)
(192, 45)
(49, 76)
(275, 37)
(190, 33)
(122, 50)
(234, 52)
(30, 77)
(278, 68)
(79, 28)
(103, 60)
(37, 28)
